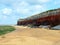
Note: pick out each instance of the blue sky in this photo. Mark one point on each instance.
(12, 10)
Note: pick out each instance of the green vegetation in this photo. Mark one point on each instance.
(6, 29)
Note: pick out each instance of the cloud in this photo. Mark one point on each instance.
(34, 9)
(24, 6)
(29, 10)
(37, 1)
(6, 11)
(44, 1)
(23, 11)
(14, 9)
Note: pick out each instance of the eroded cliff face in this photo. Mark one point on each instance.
(51, 17)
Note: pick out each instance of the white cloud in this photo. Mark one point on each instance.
(22, 4)
(37, 7)
(31, 9)
(43, 1)
(6, 11)
(21, 7)
(24, 7)
(37, 1)
(14, 9)
(23, 11)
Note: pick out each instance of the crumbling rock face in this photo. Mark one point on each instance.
(50, 17)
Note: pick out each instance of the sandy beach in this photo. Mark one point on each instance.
(31, 36)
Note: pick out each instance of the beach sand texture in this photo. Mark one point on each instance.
(31, 36)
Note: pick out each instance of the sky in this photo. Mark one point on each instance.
(12, 10)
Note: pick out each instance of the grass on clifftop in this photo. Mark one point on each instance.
(6, 29)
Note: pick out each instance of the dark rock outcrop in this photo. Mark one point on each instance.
(50, 17)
